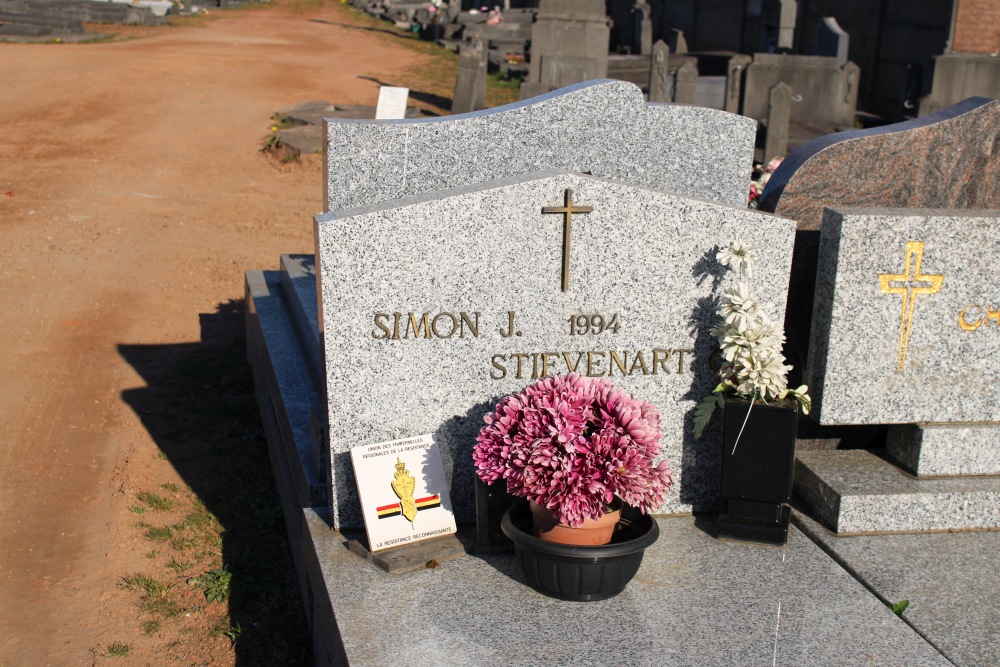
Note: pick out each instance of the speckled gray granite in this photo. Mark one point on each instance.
(282, 382)
(298, 281)
(643, 255)
(855, 491)
(946, 449)
(601, 127)
(695, 602)
(951, 580)
(883, 272)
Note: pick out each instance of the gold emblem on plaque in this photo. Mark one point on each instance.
(403, 486)
(909, 284)
(568, 210)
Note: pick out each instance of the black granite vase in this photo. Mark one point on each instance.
(756, 479)
(580, 573)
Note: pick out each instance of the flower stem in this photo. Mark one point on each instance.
(745, 420)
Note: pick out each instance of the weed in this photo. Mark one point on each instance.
(215, 583)
(899, 607)
(225, 628)
(119, 649)
(182, 543)
(144, 583)
(137, 509)
(156, 502)
(177, 565)
(151, 627)
(161, 534)
(172, 488)
(162, 456)
(153, 554)
(165, 606)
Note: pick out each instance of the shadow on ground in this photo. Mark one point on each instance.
(199, 407)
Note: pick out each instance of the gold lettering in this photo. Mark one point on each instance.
(381, 326)
(618, 362)
(395, 326)
(466, 322)
(590, 364)
(415, 326)
(680, 362)
(572, 367)
(641, 361)
(434, 325)
(520, 358)
(510, 325)
(534, 365)
(496, 365)
(661, 363)
(965, 324)
(992, 315)
(545, 362)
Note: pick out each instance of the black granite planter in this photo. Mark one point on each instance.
(580, 574)
(756, 479)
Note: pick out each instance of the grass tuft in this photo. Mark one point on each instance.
(119, 649)
(156, 502)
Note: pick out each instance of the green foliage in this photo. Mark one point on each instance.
(177, 565)
(215, 584)
(899, 607)
(144, 583)
(119, 649)
(153, 554)
(703, 413)
(172, 488)
(226, 628)
(151, 627)
(137, 509)
(182, 543)
(159, 534)
(156, 502)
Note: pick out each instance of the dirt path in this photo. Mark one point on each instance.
(132, 197)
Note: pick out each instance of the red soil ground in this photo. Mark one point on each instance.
(132, 197)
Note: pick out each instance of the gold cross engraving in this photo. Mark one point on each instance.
(568, 210)
(913, 283)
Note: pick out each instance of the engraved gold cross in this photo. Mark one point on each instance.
(568, 210)
(913, 283)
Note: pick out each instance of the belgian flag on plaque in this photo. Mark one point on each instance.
(403, 491)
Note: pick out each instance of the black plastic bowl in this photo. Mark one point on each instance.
(580, 573)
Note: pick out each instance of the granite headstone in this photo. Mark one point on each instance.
(470, 81)
(600, 127)
(435, 307)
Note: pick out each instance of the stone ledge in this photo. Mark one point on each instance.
(856, 491)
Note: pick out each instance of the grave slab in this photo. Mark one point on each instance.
(856, 491)
(436, 307)
(929, 450)
(903, 317)
(950, 579)
(694, 601)
(599, 127)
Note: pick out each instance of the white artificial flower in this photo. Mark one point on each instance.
(738, 256)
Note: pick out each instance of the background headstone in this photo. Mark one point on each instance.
(661, 79)
(642, 254)
(569, 44)
(391, 103)
(778, 113)
(470, 82)
(604, 128)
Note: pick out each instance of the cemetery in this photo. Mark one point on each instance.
(424, 306)
(684, 355)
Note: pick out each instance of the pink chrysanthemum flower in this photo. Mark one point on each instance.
(572, 444)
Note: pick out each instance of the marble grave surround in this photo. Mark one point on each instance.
(901, 330)
(643, 254)
(601, 127)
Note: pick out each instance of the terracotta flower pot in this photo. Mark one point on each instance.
(592, 532)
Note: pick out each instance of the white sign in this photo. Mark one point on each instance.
(404, 494)
(391, 103)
